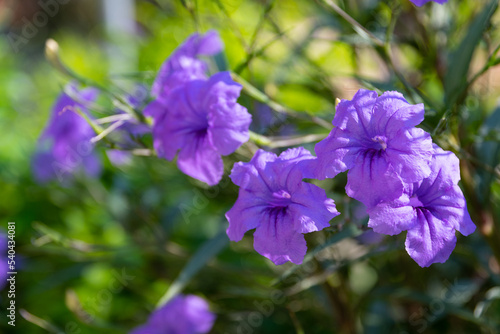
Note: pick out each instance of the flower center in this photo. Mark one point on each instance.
(415, 202)
(381, 140)
(281, 198)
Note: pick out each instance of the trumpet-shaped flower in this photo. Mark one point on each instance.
(376, 140)
(202, 121)
(430, 210)
(64, 147)
(275, 201)
(182, 315)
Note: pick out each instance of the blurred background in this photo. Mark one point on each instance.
(96, 255)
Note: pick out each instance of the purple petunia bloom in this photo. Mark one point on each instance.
(275, 201)
(430, 210)
(376, 140)
(202, 121)
(185, 64)
(64, 147)
(182, 315)
(423, 2)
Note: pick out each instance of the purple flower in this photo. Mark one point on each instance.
(184, 64)
(376, 140)
(202, 121)
(430, 210)
(423, 2)
(3, 260)
(182, 315)
(64, 147)
(275, 201)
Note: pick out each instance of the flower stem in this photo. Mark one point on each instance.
(52, 54)
(253, 92)
(356, 25)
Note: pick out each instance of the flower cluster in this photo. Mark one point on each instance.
(182, 315)
(406, 182)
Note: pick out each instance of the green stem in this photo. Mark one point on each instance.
(263, 98)
(259, 139)
(353, 22)
(52, 54)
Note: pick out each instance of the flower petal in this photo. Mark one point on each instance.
(200, 161)
(431, 240)
(210, 44)
(228, 121)
(392, 112)
(336, 154)
(249, 176)
(410, 153)
(245, 214)
(276, 239)
(372, 180)
(452, 208)
(393, 217)
(311, 209)
(355, 115)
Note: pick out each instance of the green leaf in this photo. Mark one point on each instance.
(204, 254)
(491, 295)
(488, 151)
(458, 67)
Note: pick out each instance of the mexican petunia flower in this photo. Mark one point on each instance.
(423, 2)
(275, 201)
(430, 210)
(182, 315)
(202, 121)
(376, 140)
(64, 147)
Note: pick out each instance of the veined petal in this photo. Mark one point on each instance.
(249, 175)
(227, 120)
(311, 209)
(372, 180)
(431, 240)
(392, 112)
(393, 217)
(336, 154)
(245, 214)
(452, 208)
(410, 153)
(277, 240)
(199, 160)
(355, 115)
